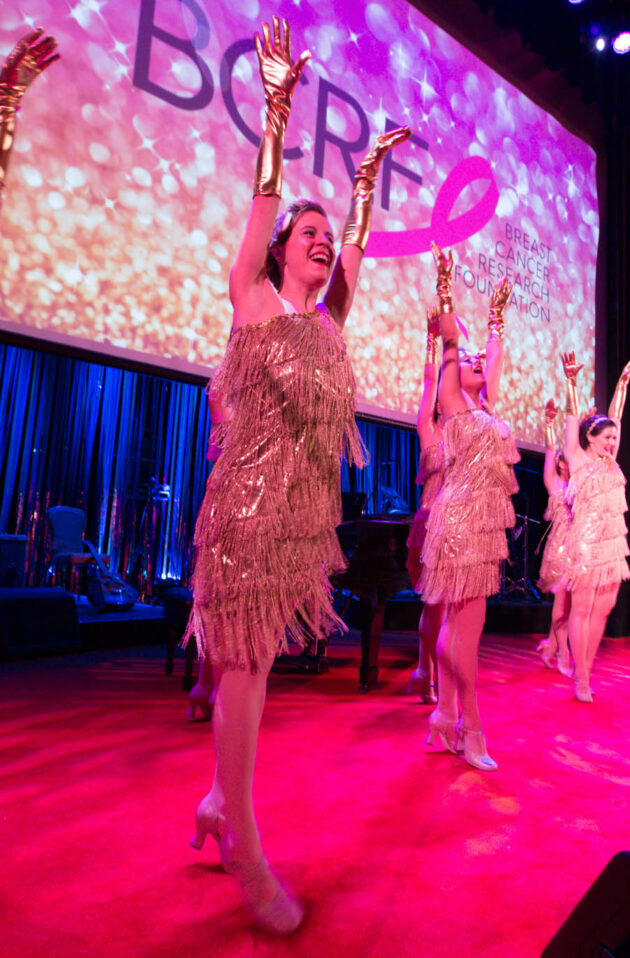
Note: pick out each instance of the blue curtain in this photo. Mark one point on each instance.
(130, 449)
(127, 448)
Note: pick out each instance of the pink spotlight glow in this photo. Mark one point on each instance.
(621, 43)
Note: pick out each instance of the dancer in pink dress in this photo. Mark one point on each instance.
(596, 544)
(552, 567)
(265, 536)
(430, 474)
(466, 538)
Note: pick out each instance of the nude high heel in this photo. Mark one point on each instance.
(447, 730)
(420, 684)
(564, 665)
(474, 746)
(547, 654)
(583, 691)
(279, 914)
(208, 821)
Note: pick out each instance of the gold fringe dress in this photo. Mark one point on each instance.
(430, 476)
(553, 562)
(465, 539)
(596, 546)
(265, 538)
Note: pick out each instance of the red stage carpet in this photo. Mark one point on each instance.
(396, 849)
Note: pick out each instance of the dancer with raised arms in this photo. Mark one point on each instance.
(596, 544)
(265, 536)
(466, 538)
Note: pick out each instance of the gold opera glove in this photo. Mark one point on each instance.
(499, 300)
(571, 369)
(433, 337)
(357, 228)
(551, 411)
(279, 79)
(32, 54)
(615, 410)
(444, 266)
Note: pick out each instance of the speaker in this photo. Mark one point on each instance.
(12, 561)
(599, 925)
(37, 620)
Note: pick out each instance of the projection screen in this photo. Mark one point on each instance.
(131, 176)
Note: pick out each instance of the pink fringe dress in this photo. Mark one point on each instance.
(596, 545)
(553, 563)
(265, 537)
(431, 476)
(465, 538)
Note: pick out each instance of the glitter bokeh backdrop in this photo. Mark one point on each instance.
(131, 181)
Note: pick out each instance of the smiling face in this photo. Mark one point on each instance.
(472, 371)
(603, 444)
(308, 254)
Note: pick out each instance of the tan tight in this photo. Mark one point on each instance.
(457, 650)
(238, 708)
(590, 608)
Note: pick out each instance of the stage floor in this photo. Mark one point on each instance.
(397, 849)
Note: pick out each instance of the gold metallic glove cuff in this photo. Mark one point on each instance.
(496, 327)
(433, 345)
(356, 231)
(617, 403)
(572, 399)
(268, 177)
(550, 437)
(7, 132)
(443, 290)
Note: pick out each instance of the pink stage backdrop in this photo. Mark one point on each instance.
(131, 181)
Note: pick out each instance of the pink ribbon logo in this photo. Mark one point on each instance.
(446, 232)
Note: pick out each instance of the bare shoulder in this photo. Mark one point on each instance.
(258, 302)
(576, 459)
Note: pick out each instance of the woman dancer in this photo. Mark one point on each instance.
(29, 57)
(596, 545)
(265, 534)
(430, 474)
(466, 539)
(556, 479)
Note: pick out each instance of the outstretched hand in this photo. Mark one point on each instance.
(279, 75)
(30, 56)
(625, 374)
(443, 263)
(368, 168)
(551, 411)
(571, 366)
(500, 296)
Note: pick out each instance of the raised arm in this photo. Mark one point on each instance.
(280, 77)
(340, 293)
(30, 57)
(550, 475)
(427, 430)
(572, 429)
(494, 348)
(450, 391)
(617, 403)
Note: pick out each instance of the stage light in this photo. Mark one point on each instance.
(621, 43)
(575, 2)
(600, 44)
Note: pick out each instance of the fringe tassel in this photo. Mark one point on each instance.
(465, 537)
(265, 537)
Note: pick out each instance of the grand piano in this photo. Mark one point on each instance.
(377, 551)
